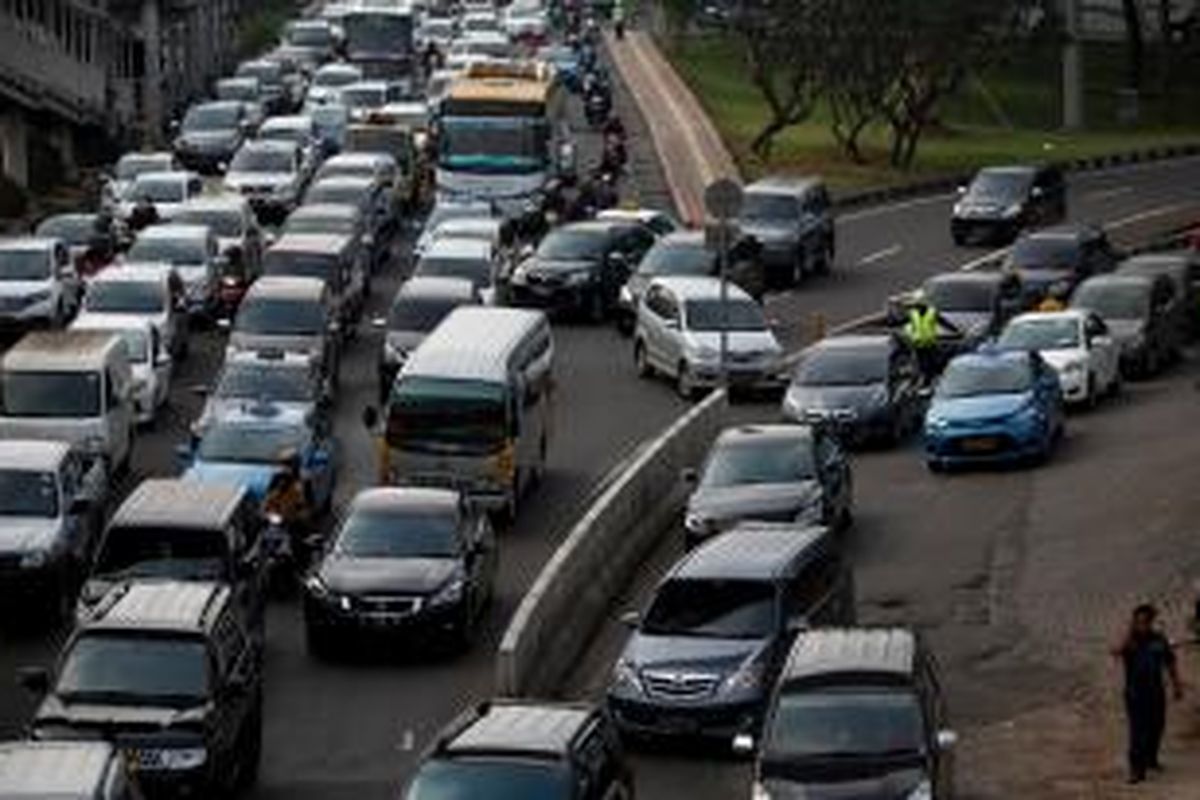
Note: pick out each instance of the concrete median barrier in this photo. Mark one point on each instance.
(576, 590)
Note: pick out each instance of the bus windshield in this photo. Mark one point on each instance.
(382, 33)
(437, 415)
(493, 145)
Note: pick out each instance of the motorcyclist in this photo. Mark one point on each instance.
(144, 214)
(288, 498)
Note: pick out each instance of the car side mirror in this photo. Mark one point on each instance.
(631, 619)
(690, 476)
(370, 417)
(743, 744)
(946, 739)
(35, 680)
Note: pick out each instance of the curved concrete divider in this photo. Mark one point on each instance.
(578, 586)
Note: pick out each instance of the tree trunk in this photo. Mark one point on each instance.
(1135, 40)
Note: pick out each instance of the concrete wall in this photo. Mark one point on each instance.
(576, 589)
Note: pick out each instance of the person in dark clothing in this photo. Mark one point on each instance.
(1147, 657)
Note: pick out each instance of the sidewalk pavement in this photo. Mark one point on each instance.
(688, 145)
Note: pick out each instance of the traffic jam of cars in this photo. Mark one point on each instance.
(380, 137)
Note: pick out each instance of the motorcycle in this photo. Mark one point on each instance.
(596, 107)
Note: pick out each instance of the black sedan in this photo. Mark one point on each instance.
(770, 473)
(580, 267)
(1055, 261)
(1002, 201)
(210, 135)
(863, 388)
(409, 563)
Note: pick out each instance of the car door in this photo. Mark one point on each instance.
(161, 364)
(933, 705)
(653, 318)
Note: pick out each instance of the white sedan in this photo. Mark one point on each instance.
(1077, 344)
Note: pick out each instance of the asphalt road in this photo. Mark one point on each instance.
(1015, 575)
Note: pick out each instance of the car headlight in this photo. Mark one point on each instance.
(935, 423)
(450, 594)
(748, 678)
(35, 559)
(578, 278)
(1012, 211)
(705, 354)
(229, 281)
(922, 791)
(182, 758)
(40, 296)
(1074, 369)
(625, 677)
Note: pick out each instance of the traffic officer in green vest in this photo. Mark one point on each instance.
(922, 333)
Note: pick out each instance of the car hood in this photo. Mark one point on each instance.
(1037, 278)
(289, 343)
(971, 323)
(973, 409)
(542, 266)
(209, 140)
(754, 500)
(25, 534)
(405, 341)
(106, 720)
(831, 398)
(386, 575)
(842, 779)
(120, 320)
(254, 478)
(740, 342)
(711, 655)
(767, 231)
(22, 288)
(268, 180)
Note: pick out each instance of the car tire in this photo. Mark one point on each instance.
(935, 466)
(825, 263)
(684, 383)
(642, 362)
(1093, 393)
(960, 239)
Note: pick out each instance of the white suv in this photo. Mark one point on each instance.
(38, 283)
(679, 331)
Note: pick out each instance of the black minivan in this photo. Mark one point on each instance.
(856, 712)
(703, 657)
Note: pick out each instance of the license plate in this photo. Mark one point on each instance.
(983, 444)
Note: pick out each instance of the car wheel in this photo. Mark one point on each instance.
(825, 263)
(959, 238)
(642, 362)
(684, 384)
(1116, 385)
(800, 268)
(935, 466)
(1093, 392)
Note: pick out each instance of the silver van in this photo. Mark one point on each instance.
(290, 315)
(76, 386)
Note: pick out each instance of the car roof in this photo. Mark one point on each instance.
(174, 503)
(683, 237)
(63, 770)
(25, 243)
(32, 454)
(700, 287)
(606, 226)
(270, 359)
(458, 247)
(1012, 169)
(358, 159)
(353, 181)
(348, 210)
(317, 243)
(1063, 233)
(339, 67)
(165, 175)
(1074, 314)
(139, 271)
(287, 287)
(91, 321)
(992, 357)
(1122, 279)
(632, 214)
(968, 277)
(762, 553)
(468, 225)
(436, 286)
(825, 654)
(60, 350)
(277, 145)
(540, 729)
(152, 155)
(218, 104)
(391, 498)
(159, 604)
(176, 231)
(472, 343)
(217, 202)
(239, 80)
(286, 122)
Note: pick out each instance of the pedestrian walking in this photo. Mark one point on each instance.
(1149, 660)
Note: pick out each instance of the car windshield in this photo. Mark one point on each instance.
(364, 96)
(1045, 252)
(736, 315)
(736, 609)
(961, 295)
(678, 259)
(310, 36)
(238, 89)
(285, 133)
(256, 445)
(512, 779)
(334, 78)
(399, 534)
(50, 394)
(125, 297)
(1041, 334)
(211, 118)
(280, 317)
(130, 166)
(158, 190)
(337, 194)
(266, 72)
(123, 668)
(72, 229)
(420, 314)
(24, 265)
(262, 159)
(300, 265)
(478, 272)
(172, 251)
(491, 145)
(226, 222)
(311, 223)
(769, 207)
(1114, 301)
(785, 460)
(999, 186)
(851, 722)
(973, 378)
(136, 552)
(842, 366)
(435, 415)
(28, 493)
(266, 381)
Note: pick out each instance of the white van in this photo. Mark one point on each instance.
(75, 386)
(149, 361)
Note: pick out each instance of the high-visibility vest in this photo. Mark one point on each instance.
(922, 328)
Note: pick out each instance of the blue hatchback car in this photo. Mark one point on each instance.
(993, 407)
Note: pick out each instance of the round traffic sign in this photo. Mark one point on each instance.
(723, 198)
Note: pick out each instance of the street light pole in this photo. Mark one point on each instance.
(723, 201)
(1072, 66)
(723, 265)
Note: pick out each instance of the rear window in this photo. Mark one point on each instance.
(152, 552)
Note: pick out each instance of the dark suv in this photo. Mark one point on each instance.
(703, 657)
(1003, 201)
(526, 749)
(1057, 260)
(168, 672)
(792, 220)
(856, 713)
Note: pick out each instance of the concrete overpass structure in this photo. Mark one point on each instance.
(78, 74)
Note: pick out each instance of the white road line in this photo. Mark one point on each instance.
(1161, 211)
(1108, 194)
(876, 211)
(983, 261)
(887, 252)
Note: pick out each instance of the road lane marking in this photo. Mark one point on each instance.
(1108, 194)
(1160, 211)
(408, 741)
(887, 252)
(876, 211)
